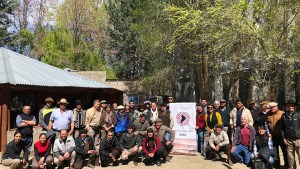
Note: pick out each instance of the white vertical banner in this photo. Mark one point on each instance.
(184, 115)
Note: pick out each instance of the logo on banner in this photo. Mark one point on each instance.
(183, 118)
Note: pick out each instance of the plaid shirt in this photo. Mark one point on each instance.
(270, 144)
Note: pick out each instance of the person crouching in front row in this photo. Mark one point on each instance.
(42, 149)
(109, 150)
(152, 148)
(85, 149)
(130, 144)
(263, 147)
(64, 150)
(11, 157)
(219, 142)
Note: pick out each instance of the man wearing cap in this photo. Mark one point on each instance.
(62, 118)
(92, 122)
(79, 117)
(141, 125)
(147, 110)
(275, 124)
(161, 130)
(291, 133)
(45, 113)
(166, 116)
(239, 111)
(130, 144)
(122, 121)
(225, 114)
(103, 104)
(85, 150)
(261, 119)
(219, 142)
(64, 150)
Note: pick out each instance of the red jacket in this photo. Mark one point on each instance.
(151, 147)
(200, 121)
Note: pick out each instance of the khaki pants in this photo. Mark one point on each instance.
(71, 158)
(48, 161)
(293, 145)
(14, 163)
(96, 137)
(127, 152)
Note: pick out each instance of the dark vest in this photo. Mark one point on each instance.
(165, 118)
(292, 125)
(225, 116)
(26, 131)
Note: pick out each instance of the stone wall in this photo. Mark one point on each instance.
(99, 76)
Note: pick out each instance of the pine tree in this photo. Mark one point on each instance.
(6, 10)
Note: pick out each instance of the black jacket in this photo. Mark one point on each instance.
(13, 151)
(106, 146)
(80, 152)
(291, 125)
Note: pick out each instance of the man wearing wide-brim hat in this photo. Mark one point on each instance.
(62, 118)
(291, 132)
(275, 124)
(45, 113)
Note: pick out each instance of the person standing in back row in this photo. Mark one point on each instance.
(62, 118)
(25, 123)
(275, 123)
(79, 117)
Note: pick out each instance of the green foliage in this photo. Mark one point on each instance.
(6, 9)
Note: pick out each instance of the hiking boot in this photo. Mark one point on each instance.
(158, 163)
(135, 163)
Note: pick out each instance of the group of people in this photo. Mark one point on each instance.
(101, 135)
(249, 134)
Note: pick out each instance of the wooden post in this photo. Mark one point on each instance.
(4, 117)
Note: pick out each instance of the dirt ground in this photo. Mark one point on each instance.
(179, 162)
(183, 162)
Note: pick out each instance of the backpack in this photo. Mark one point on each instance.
(258, 164)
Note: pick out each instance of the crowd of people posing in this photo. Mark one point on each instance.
(101, 135)
(109, 134)
(249, 135)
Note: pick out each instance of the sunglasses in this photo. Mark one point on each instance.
(110, 135)
(209, 107)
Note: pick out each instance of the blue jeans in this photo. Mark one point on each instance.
(200, 139)
(270, 160)
(28, 142)
(168, 136)
(242, 154)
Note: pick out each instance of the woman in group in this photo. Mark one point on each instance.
(11, 157)
(200, 128)
(42, 154)
(108, 121)
(152, 148)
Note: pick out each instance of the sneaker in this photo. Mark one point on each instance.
(158, 163)
(135, 163)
